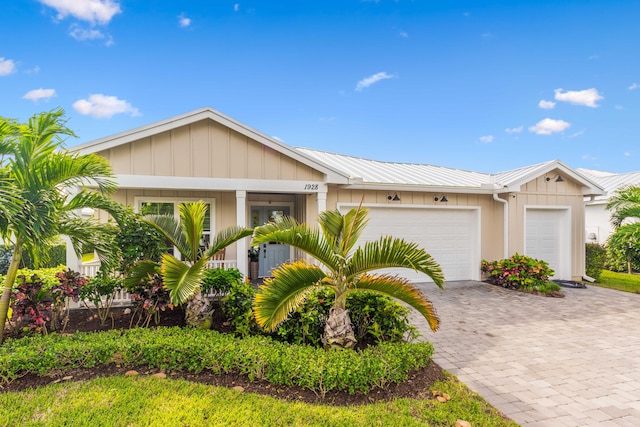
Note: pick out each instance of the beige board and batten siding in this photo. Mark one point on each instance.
(549, 194)
(206, 149)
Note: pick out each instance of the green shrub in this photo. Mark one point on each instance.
(237, 306)
(375, 318)
(46, 275)
(623, 249)
(595, 257)
(192, 350)
(220, 280)
(517, 272)
(98, 294)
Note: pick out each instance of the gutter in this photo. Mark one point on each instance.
(505, 203)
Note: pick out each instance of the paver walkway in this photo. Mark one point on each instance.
(572, 361)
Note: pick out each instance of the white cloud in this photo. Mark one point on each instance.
(589, 157)
(514, 130)
(368, 81)
(404, 34)
(103, 106)
(82, 34)
(594, 57)
(587, 97)
(34, 70)
(618, 107)
(7, 66)
(549, 126)
(634, 86)
(38, 94)
(486, 139)
(93, 11)
(183, 21)
(546, 105)
(576, 134)
(627, 154)
(236, 7)
(487, 35)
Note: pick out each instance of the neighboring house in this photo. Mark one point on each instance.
(597, 217)
(248, 178)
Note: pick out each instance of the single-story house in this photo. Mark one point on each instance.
(597, 217)
(247, 178)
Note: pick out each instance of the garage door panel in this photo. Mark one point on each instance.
(450, 236)
(546, 239)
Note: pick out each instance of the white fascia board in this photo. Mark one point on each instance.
(219, 184)
(333, 175)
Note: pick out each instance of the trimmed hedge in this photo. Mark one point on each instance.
(191, 350)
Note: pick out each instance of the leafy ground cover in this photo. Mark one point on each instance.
(619, 281)
(60, 396)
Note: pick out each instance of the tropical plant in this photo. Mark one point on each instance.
(183, 278)
(624, 244)
(345, 268)
(98, 294)
(43, 187)
(517, 272)
(595, 259)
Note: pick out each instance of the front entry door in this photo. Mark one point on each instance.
(272, 254)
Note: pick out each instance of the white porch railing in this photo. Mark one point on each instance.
(122, 297)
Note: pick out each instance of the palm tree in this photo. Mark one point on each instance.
(343, 268)
(47, 185)
(183, 278)
(625, 214)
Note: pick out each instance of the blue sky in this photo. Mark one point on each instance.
(485, 86)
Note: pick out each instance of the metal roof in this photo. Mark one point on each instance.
(377, 172)
(610, 182)
(374, 172)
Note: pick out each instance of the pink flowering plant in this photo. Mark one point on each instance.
(517, 272)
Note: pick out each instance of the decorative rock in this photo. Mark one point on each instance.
(131, 374)
(238, 388)
(67, 378)
(462, 423)
(159, 375)
(127, 311)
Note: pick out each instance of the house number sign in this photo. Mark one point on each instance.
(311, 186)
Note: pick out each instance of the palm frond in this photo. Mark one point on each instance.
(307, 239)
(354, 223)
(625, 203)
(89, 231)
(226, 237)
(281, 295)
(140, 271)
(192, 224)
(401, 289)
(182, 280)
(170, 228)
(389, 252)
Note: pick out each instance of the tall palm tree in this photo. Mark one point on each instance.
(344, 268)
(625, 216)
(183, 278)
(47, 186)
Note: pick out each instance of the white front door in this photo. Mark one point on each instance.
(272, 254)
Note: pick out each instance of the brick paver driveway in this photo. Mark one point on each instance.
(572, 361)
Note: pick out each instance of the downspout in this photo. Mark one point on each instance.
(506, 223)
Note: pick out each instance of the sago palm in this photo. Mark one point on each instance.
(43, 187)
(344, 268)
(183, 278)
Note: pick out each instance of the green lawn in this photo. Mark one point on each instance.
(147, 401)
(620, 281)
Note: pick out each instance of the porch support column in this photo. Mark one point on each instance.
(321, 197)
(241, 220)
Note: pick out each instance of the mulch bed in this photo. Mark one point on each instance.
(417, 386)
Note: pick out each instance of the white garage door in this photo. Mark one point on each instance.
(451, 236)
(547, 238)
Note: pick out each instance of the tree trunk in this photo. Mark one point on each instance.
(9, 280)
(338, 332)
(197, 312)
